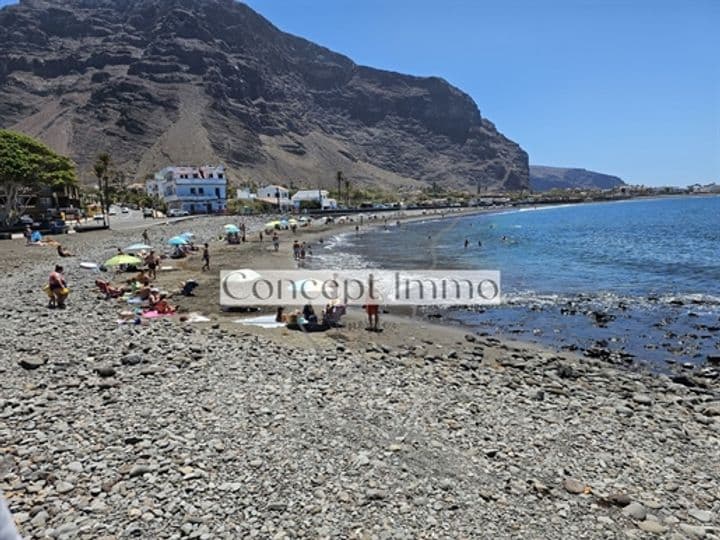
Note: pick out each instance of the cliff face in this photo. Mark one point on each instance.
(157, 82)
(548, 178)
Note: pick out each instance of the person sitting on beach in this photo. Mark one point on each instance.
(187, 287)
(142, 292)
(308, 314)
(159, 303)
(58, 290)
(62, 253)
(153, 296)
(280, 316)
(109, 290)
(141, 278)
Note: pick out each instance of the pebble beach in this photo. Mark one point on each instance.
(173, 429)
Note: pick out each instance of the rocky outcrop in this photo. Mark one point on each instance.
(142, 78)
(549, 178)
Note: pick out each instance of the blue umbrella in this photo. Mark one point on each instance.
(232, 229)
(187, 235)
(178, 241)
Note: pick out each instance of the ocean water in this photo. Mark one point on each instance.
(650, 268)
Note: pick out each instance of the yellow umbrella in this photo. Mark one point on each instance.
(117, 260)
(272, 224)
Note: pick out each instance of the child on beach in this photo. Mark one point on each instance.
(206, 257)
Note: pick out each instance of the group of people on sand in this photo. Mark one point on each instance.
(139, 291)
(307, 320)
(300, 250)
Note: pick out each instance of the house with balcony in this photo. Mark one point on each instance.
(197, 190)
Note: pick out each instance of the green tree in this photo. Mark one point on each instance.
(26, 165)
(102, 168)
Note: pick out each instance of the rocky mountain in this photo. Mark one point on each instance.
(547, 178)
(159, 82)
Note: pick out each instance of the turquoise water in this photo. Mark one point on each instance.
(629, 248)
(653, 265)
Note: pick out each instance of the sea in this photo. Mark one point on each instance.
(635, 281)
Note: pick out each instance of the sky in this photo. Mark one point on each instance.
(624, 87)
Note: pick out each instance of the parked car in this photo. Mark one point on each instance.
(54, 226)
(112, 211)
(125, 210)
(148, 213)
(178, 213)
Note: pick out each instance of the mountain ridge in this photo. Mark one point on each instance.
(546, 178)
(162, 82)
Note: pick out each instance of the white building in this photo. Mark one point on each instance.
(244, 194)
(197, 190)
(320, 196)
(275, 194)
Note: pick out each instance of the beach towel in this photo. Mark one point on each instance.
(265, 321)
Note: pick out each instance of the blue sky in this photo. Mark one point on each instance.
(626, 87)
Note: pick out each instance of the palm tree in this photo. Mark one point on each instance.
(102, 172)
(347, 192)
(339, 177)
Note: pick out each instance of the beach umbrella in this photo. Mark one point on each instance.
(118, 260)
(187, 235)
(292, 222)
(138, 247)
(232, 229)
(272, 224)
(178, 241)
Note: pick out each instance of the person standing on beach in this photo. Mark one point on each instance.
(206, 257)
(276, 241)
(58, 288)
(372, 305)
(152, 261)
(261, 237)
(27, 233)
(145, 237)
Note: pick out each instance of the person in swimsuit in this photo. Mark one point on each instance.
(58, 288)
